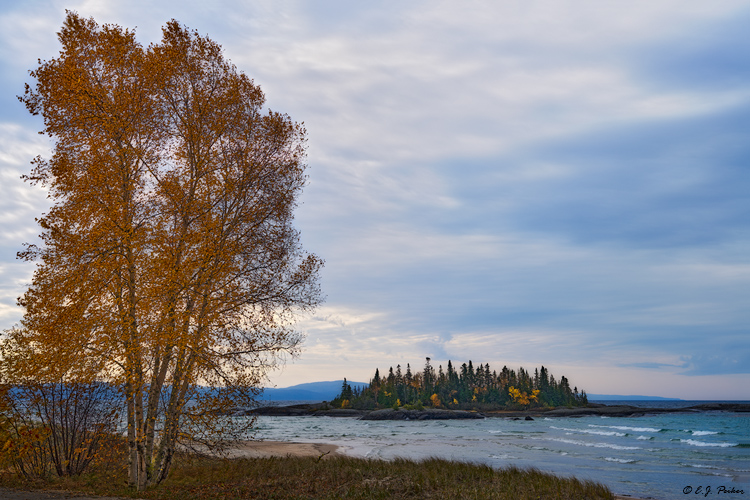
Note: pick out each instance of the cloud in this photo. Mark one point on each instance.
(730, 360)
(652, 366)
(514, 183)
(666, 184)
(20, 203)
(709, 57)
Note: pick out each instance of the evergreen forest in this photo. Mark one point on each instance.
(465, 388)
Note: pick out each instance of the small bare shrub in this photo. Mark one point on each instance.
(58, 427)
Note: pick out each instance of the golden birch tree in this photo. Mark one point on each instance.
(169, 263)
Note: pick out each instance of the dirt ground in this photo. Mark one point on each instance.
(6, 494)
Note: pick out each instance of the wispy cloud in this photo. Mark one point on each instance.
(559, 183)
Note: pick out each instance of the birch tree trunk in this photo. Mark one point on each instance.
(169, 259)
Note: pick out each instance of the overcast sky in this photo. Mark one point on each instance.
(516, 183)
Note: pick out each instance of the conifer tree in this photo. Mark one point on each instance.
(486, 389)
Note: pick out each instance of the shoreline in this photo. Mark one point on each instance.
(269, 449)
(323, 410)
(618, 478)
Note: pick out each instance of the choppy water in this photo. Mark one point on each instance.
(656, 456)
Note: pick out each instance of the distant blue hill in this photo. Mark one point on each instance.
(311, 391)
(614, 397)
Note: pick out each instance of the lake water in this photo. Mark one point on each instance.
(653, 456)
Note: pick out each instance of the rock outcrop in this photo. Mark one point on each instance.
(429, 414)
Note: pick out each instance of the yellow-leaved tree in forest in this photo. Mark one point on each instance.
(522, 398)
(169, 264)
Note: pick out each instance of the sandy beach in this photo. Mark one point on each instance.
(263, 449)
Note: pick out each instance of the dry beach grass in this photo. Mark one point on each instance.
(276, 470)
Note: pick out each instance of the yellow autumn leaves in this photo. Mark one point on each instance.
(522, 398)
(169, 262)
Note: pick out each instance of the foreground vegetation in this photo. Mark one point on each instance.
(37, 455)
(203, 478)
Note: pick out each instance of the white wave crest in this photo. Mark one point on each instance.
(594, 445)
(626, 428)
(693, 442)
(699, 466)
(588, 431)
(619, 460)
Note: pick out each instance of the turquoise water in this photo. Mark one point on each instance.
(656, 456)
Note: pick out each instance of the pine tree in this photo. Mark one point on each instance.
(457, 390)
